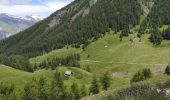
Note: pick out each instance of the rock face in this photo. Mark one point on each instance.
(10, 25)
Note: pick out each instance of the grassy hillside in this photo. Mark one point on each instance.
(19, 78)
(121, 59)
(80, 24)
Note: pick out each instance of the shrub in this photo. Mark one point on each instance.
(156, 37)
(147, 73)
(138, 91)
(138, 77)
(142, 75)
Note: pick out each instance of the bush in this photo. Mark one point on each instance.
(147, 73)
(138, 92)
(137, 77)
(142, 75)
(156, 37)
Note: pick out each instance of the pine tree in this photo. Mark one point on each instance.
(156, 37)
(57, 87)
(94, 89)
(138, 77)
(105, 81)
(6, 91)
(83, 91)
(167, 70)
(42, 91)
(147, 73)
(30, 91)
(75, 91)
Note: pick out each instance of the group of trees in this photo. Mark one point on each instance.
(7, 91)
(43, 89)
(166, 34)
(16, 61)
(146, 73)
(105, 83)
(141, 75)
(158, 16)
(71, 60)
(52, 89)
(22, 63)
(156, 37)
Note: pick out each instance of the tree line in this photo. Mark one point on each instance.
(71, 60)
(157, 17)
(53, 89)
(22, 63)
(158, 36)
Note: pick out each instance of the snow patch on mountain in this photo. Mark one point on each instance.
(28, 18)
(10, 24)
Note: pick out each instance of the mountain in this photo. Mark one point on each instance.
(11, 24)
(75, 24)
(81, 22)
(115, 50)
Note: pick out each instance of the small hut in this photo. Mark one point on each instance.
(68, 73)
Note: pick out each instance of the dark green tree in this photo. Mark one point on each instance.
(156, 37)
(83, 91)
(147, 73)
(138, 77)
(42, 89)
(94, 88)
(142, 75)
(6, 91)
(75, 91)
(167, 70)
(105, 81)
(30, 91)
(57, 87)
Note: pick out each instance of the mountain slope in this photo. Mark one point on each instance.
(107, 54)
(157, 17)
(75, 24)
(11, 24)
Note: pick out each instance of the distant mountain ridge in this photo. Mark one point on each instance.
(10, 24)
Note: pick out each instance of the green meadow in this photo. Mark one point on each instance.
(121, 59)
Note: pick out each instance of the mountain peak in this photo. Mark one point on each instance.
(33, 17)
(11, 24)
(27, 17)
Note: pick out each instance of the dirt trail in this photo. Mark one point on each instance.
(129, 63)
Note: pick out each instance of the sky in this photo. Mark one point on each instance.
(31, 7)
